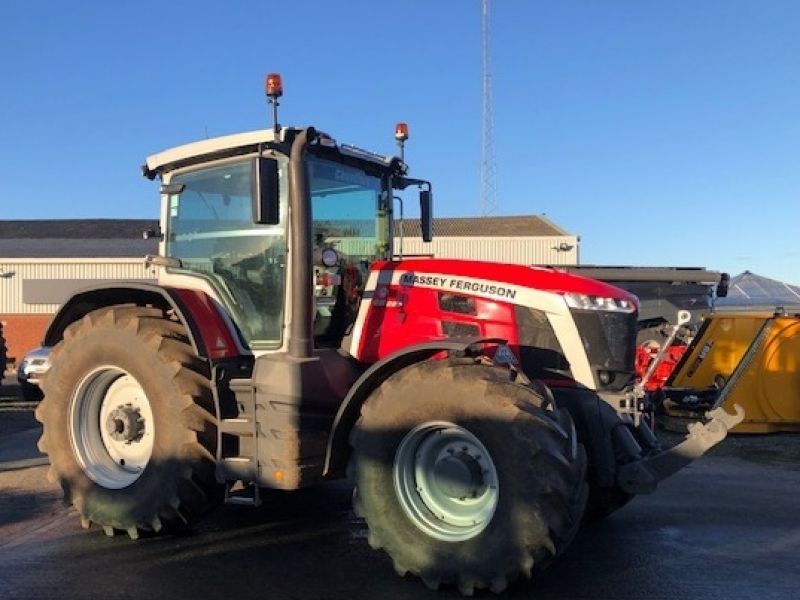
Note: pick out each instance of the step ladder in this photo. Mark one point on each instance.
(243, 466)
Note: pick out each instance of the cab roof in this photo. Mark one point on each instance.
(165, 159)
(241, 143)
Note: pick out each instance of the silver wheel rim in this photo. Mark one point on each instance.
(445, 481)
(111, 427)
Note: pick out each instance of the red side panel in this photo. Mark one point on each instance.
(402, 316)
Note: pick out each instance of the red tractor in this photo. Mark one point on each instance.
(480, 407)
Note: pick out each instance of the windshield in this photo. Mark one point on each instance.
(210, 229)
(350, 215)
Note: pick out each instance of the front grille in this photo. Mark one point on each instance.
(609, 339)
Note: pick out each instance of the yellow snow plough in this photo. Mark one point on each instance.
(747, 358)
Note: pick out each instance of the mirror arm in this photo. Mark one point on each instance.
(402, 183)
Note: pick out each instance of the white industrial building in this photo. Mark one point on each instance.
(43, 262)
(524, 240)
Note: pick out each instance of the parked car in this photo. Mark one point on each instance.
(33, 366)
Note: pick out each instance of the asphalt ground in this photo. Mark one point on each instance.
(726, 527)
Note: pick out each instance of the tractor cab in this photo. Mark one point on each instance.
(225, 221)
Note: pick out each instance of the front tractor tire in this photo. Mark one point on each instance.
(466, 478)
(128, 422)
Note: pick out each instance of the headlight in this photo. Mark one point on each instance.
(586, 302)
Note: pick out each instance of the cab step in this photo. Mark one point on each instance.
(243, 494)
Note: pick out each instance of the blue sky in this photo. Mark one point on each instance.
(661, 132)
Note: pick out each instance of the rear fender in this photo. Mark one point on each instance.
(338, 451)
(211, 332)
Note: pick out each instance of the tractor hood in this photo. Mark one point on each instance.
(477, 276)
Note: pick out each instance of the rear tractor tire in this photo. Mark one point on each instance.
(466, 478)
(129, 422)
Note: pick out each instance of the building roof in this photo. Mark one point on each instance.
(73, 248)
(81, 229)
(749, 290)
(76, 238)
(514, 226)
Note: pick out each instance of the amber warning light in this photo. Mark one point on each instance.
(401, 132)
(274, 85)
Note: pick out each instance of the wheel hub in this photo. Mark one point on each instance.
(125, 424)
(111, 427)
(459, 476)
(445, 481)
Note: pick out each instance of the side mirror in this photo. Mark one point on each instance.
(722, 286)
(426, 214)
(266, 192)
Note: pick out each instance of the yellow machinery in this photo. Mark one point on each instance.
(751, 359)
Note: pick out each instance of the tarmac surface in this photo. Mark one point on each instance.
(726, 527)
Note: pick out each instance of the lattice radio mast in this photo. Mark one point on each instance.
(488, 158)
